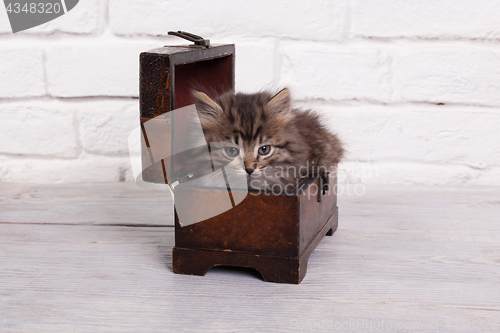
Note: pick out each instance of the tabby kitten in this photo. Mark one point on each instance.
(276, 144)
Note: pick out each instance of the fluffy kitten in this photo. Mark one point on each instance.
(263, 137)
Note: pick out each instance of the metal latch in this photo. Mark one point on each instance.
(198, 40)
(181, 180)
(324, 185)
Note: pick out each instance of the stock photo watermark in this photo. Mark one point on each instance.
(25, 15)
(218, 168)
(344, 184)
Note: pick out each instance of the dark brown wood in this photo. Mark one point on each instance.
(168, 74)
(274, 234)
(282, 269)
(167, 77)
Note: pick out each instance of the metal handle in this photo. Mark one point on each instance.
(198, 40)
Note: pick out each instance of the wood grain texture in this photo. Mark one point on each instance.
(95, 203)
(402, 255)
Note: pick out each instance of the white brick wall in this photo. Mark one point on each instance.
(4, 22)
(104, 126)
(261, 71)
(94, 70)
(452, 74)
(441, 19)
(411, 86)
(38, 128)
(21, 72)
(83, 20)
(330, 72)
(310, 20)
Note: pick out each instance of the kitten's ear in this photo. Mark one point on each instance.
(281, 102)
(205, 105)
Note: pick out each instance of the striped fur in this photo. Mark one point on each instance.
(298, 144)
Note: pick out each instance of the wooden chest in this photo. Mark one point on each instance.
(274, 234)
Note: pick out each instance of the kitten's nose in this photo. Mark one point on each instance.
(249, 170)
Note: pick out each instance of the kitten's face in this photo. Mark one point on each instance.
(252, 128)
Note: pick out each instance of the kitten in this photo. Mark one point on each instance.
(263, 137)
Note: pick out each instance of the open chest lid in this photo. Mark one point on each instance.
(168, 75)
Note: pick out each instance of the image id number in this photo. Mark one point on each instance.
(41, 8)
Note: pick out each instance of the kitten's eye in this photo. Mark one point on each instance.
(231, 151)
(264, 150)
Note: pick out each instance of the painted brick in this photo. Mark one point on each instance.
(45, 129)
(319, 71)
(84, 18)
(315, 19)
(425, 18)
(255, 69)
(439, 135)
(111, 70)
(21, 73)
(105, 126)
(4, 22)
(368, 90)
(447, 75)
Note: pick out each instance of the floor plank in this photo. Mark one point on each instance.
(392, 262)
(422, 208)
(94, 203)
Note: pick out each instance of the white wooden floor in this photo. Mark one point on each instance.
(97, 258)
